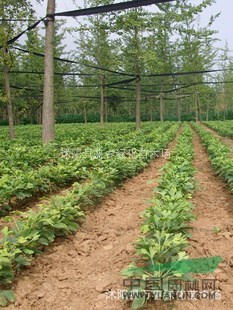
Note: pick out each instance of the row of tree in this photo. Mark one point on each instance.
(123, 66)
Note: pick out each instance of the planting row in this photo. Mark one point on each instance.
(30, 135)
(220, 155)
(27, 235)
(225, 128)
(29, 153)
(166, 224)
(18, 184)
(25, 157)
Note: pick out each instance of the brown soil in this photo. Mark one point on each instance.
(213, 208)
(75, 272)
(225, 140)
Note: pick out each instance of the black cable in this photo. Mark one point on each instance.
(18, 20)
(184, 73)
(25, 88)
(122, 88)
(73, 62)
(116, 83)
(11, 41)
(122, 73)
(120, 82)
(109, 8)
(194, 84)
(56, 73)
(92, 11)
(184, 84)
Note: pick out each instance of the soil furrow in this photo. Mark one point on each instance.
(225, 140)
(212, 233)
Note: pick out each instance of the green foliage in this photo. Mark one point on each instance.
(219, 153)
(160, 246)
(30, 170)
(216, 230)
(223, 128)
(27, 235)
(6, 296)
(166, 222)
(32, 231)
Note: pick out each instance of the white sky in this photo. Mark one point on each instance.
(223, 24)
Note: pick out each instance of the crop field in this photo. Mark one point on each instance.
(102, 214)
(116, 155)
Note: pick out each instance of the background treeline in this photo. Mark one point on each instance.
(119, 59)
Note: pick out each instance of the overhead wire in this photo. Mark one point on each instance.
(108, 8)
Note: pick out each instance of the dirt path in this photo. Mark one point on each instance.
(225, 140)
(214, 208)
(74, 273)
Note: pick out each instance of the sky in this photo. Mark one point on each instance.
(223, 24)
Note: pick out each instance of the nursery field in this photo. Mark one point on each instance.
(117, 218)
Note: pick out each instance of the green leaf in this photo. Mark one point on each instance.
(22, 240)
(138, 303)
(28, 251)
(43, 241)
(6, 296)
(5, 231)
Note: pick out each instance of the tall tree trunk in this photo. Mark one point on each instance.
(197, 107)
(179, 108)
(151, 111)
(224, 106)
(137, 73)
(207, 110)
(161, 108)
(9, 100)
(85, 113)
(17, 119)
(129, 109)
(196, 118)
(40, 112)
(48, 118)
(4, 114)
(138, 102)
(101, 77)
(106, 110)
(188, 107)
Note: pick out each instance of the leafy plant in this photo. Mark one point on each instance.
(219, 153)
(166, 222)
(216, 230)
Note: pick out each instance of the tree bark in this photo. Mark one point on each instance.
(196, 108)
(101, 100)
(85, 114)
(106, 111)
(225, 106)
(179, 109)
(48, 114)
(9, 100)
(138, 102)
(151, 112)
(161, 108)
(40, 115)
(197, 104)
(137, 73)
(207, 111)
